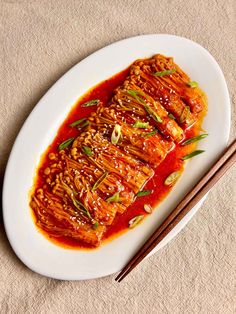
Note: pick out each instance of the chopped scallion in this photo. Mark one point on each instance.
(99, 181)
(83, 124)
(148, 209)
(149, 133)
(194, 139)
(95, 225)
(87, 151)
(141, 125)
(77, 122)
(135, 94)
(192, 84)
(163, 73)
(153, 114)
(80, 206)
(90, 103)
(144, 193)
(116, 133)
(195, 153)
(66, 143)
(135, 221)
(114, 198)
(172, 178)
(185, 114)
(170, 115)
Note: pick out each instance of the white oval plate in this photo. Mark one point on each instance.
(29, 244)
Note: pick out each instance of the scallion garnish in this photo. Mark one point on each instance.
(172, 178)
(87, 151)
(83, 124)
(195, 153)
(99, 181)
(77, 122)
(95, 225)
(136, 94)
(153, 114)
(163, 73)
(185, 114)
(144, 193)
(116, 133)
(141, 125)
(80, 206)
(114, 198)
(148, 209)
(135, 221)
(149, 133)
(66, 143)
(194, 139)
(192, 84)
(170, 115)
(90, 103)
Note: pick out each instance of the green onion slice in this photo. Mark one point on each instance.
(194, 139)
(116, 133)
(90, 103)
(66, 143)
(136, 94)
(114, 198)
(95, 225)
(170, 115)
(135, 221)
(141, 125)
(144, 193)
(99, 181)
(172, 178)
(153, 114)
(149, 133)
(80, 206)
(83, 124)
(163, 73)
(87, 151)
(192, 84)
(195, 153)
(148, 208)
(185, 114)
(77, 122)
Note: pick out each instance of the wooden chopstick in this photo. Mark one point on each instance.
(189, 201)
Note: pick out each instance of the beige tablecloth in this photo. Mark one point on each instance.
(40, 41)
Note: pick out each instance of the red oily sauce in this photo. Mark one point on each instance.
(173, 162)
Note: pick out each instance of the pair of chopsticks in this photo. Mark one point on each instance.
(210, 178)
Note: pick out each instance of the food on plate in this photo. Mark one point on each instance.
(118, 153)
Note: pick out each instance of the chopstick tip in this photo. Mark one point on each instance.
(117, 278)
(120, 276)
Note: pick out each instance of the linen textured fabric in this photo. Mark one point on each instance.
(40, 40)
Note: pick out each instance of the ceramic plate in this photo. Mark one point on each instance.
(29, 244)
